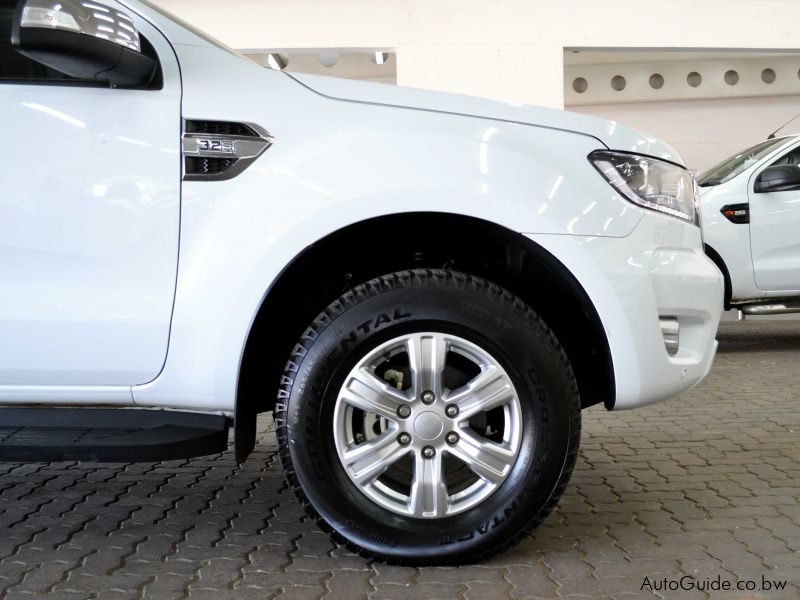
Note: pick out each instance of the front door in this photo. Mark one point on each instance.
(775, 232)
(89, 220)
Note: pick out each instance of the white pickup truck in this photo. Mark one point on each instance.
(425, 289)
(750, 206)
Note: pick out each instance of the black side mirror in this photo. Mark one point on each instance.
(780, 178)
(87, 40)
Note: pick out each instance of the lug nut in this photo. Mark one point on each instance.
(451, 410)
(428, 397)
(404, 439)
(404, 411)
(451, 438)
(428, 452)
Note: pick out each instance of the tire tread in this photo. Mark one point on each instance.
(416, 278)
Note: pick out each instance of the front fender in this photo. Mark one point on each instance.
(335, 163)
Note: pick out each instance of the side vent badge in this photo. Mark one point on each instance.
(736, 213)
(221, 150)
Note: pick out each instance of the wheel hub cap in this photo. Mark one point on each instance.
(428, 426)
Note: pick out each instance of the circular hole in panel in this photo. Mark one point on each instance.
(379, 58)
(278, 61)
(328, 59)
(731, 77)
(656, 81)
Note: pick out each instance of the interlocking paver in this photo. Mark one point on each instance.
(707, 484)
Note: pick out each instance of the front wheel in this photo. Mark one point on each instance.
(428, 417)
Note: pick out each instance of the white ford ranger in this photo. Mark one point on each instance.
(425, 289)
(750, 206)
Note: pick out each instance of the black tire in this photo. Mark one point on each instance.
(476, 310)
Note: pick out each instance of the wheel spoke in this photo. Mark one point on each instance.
(427, 354)
(365, 391)
(369, 460)
(488, 460)
(428, 488)
(397, 445)
(486, 391)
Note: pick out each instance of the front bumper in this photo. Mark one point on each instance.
(657, 272)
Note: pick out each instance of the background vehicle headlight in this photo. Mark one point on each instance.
(648, 182)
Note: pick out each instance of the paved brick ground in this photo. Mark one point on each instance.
(706, 485)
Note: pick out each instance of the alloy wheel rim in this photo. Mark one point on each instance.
(427, 425)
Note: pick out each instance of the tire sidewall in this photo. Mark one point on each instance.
(498, 323)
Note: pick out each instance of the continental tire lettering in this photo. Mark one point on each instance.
(373, 324)
(351, 339)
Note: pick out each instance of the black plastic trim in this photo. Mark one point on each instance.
(636, 154)
(778, 178)
(222, 128)
(717, 260)
(86, 57)
(108, 435)
(736, 213)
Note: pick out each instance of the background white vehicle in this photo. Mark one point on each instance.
(750, 205)
(432, 286)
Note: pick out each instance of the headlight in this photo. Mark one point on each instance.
(648, 182)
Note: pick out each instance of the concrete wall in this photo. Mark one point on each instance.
(737, 100)
(514, 50)
(505, 49)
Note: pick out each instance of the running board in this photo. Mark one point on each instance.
(778, 308)
(108, 435)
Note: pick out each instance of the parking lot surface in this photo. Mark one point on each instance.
(704, 487)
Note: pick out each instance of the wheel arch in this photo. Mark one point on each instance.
(389, 243)
(717, 260)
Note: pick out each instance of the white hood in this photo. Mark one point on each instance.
(613, 135)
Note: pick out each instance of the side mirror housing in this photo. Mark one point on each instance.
(87, 40)
(779, 178)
